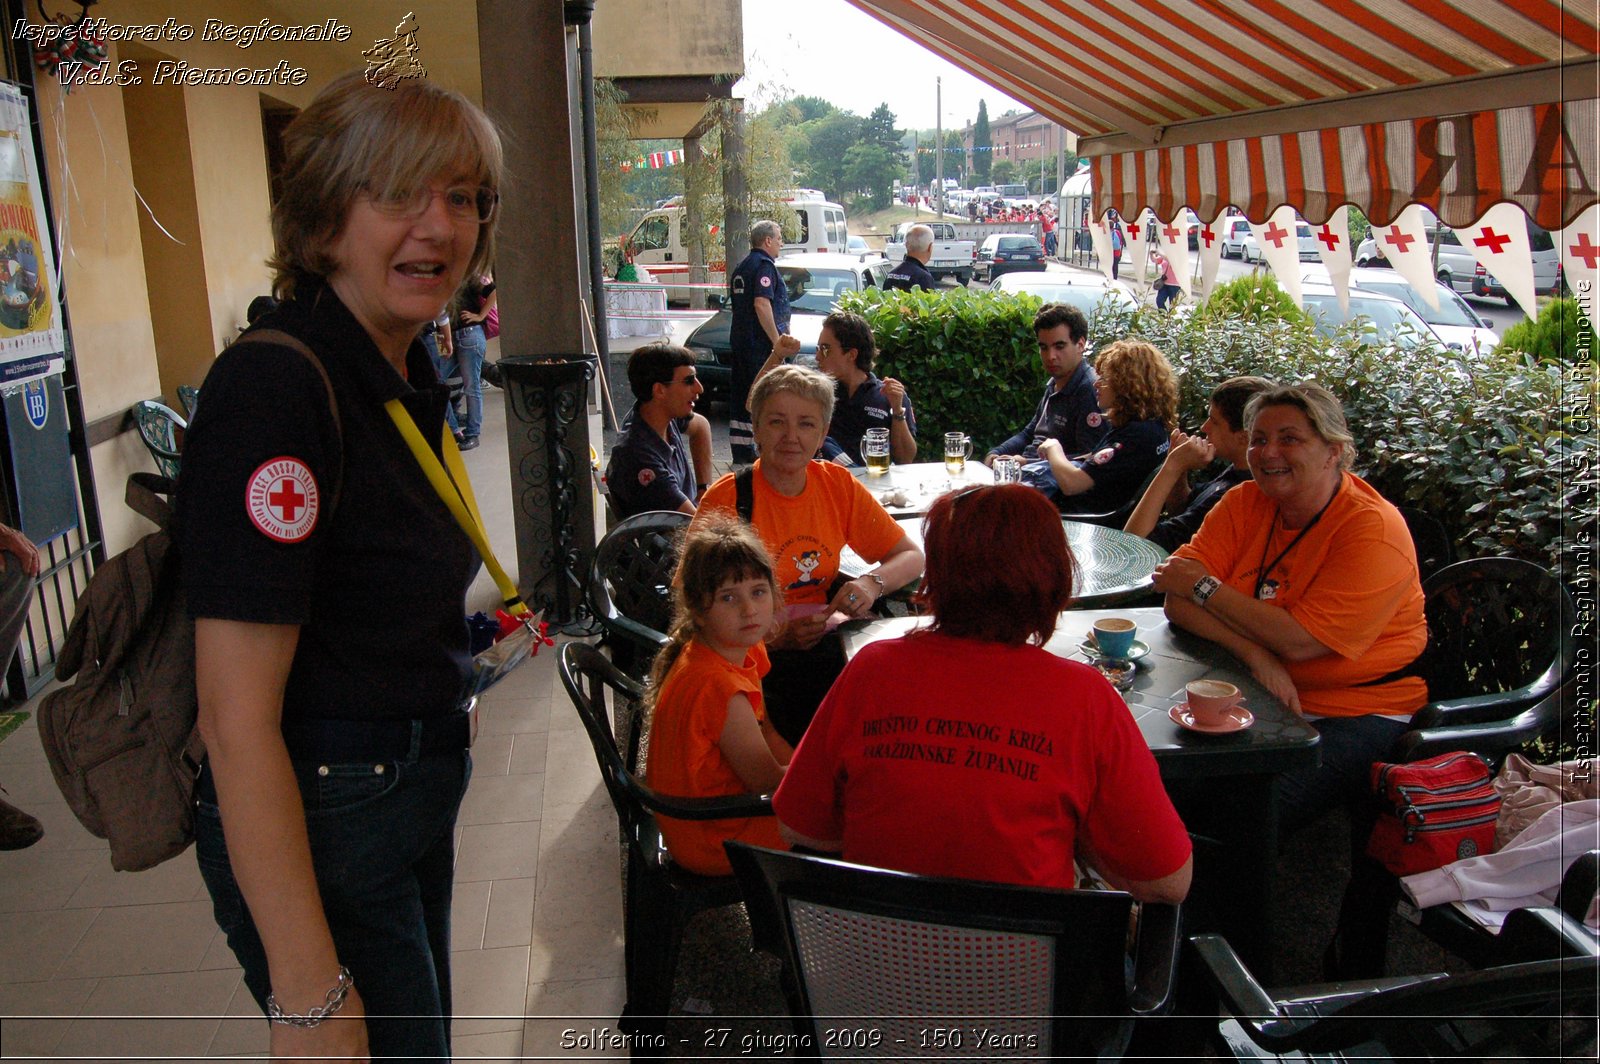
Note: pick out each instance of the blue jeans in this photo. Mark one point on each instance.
(471, 346)
(383, 848)
(449, 373)
(1349, 747)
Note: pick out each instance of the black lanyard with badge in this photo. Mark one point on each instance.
(1266, 567)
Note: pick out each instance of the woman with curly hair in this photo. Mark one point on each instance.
(1139, 396)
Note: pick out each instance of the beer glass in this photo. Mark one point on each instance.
(957, 449)
(875, 451)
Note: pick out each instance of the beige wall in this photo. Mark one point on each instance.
(668, 38)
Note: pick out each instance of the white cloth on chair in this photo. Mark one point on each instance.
(1526, 873)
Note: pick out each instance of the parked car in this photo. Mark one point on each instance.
(1004, 253)
(1454, 322)
(1387, 319)
(858, 248)
(1235, 230)
(815, 283)
(1090, 293)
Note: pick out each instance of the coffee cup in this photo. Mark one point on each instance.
(1114, 636)
(1210, 700)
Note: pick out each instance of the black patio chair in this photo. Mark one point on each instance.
(659, 897)
(630, 586)
(1118, 517)
(161, 428)
(1499, 641)
(933, 960)
(1432, 542)
(1532, 1011)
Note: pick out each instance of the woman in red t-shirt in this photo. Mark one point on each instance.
(966, 749)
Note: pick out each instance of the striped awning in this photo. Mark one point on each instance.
(1455, 104)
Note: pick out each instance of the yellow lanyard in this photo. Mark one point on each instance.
(455, 489)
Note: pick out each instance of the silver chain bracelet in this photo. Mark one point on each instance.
(315, 1015)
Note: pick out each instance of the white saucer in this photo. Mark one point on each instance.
(1237, 719)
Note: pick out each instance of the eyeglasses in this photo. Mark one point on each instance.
(475, 202)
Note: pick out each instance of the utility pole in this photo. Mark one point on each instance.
(938, 142)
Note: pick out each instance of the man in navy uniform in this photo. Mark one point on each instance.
(1069, 411)
(650, 465)
(913, 269)
(760, 316)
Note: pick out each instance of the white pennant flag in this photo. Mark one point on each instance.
(1281, 248)
(1138, 248)
(1173, 237)
(1579, 244)
(1100, 236)
(1499, 241)
(1333, 244)
(1405, 245)
(1210, 252)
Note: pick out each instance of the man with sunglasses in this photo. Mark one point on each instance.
(651, 467)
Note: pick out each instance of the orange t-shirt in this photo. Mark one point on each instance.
(805, 533)
(686, 760)
(1352, 583)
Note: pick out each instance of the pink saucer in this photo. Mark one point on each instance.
(1236, 719)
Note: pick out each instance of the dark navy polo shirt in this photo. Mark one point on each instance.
(908, 275)
(647, 472)
(1119, 466)
(756, 277)
(1180, 528)
(1071, 415)
(377, 581)
(854, 414)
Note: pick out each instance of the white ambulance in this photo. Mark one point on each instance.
(657, 242)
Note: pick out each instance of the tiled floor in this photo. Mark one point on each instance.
(100, 964)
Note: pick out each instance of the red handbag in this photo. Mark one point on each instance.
(1435, 811)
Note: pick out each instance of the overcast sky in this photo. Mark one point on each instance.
(831, 49)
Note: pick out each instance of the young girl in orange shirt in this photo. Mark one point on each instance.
(709, 734)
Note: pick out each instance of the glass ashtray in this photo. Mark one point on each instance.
(1117, 671)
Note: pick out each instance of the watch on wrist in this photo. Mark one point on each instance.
(897, 417)
(1204, 588)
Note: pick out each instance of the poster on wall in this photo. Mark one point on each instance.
(31, 342)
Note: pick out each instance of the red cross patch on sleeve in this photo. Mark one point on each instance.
(282, 499)
(766, 282)
(647, 477)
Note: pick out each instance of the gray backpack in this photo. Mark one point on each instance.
(121, 737)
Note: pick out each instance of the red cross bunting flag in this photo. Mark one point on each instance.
(1499, 241)
(1333, 245)
(1579, 245)
(1100, 237)
(1280, 247)
(1210, 240)
(282, 499)
(1405, 245)
(1137, 249)
(1174, 240)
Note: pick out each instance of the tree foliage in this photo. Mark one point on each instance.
(870, 169)
(1002, 171)
(981, 144)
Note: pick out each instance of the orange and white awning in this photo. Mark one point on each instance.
(1454, 104)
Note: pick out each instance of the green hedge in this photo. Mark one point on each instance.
(1561, 331)
(1499, 447)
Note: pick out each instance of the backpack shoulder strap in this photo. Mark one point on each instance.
(294, 343)
(744, 493)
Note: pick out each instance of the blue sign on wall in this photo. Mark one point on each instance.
(41, 456)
